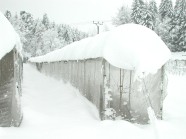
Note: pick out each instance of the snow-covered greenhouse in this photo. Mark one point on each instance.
(10, 75)
(120, 71)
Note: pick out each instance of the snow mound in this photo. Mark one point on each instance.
(129, 46)
(8, 37)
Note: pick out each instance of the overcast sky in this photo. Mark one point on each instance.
(74, 12)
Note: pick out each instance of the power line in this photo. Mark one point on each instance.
(97, 24)
(87, 22)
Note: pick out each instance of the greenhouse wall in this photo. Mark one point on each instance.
(131, 96)
(85, 75)
(10, 89)
(115, 92)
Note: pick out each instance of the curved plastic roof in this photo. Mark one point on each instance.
(129, 46)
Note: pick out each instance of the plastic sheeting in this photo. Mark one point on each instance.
(113, 90)
(10, 89)
(131, 97)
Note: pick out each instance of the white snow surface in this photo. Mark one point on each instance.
(55, 110)
(129, 46)
(8, 37)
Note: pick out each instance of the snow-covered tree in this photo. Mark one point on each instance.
(141, 14)
(50, 40)
(137, 8)
(165, 9)
(8, 14)
(123, 16)
(69, 35)
(163, 21)
(153, 7)
(41, 36)
(154, 11)
(27, 21)
(162, 28)
(45, 21)
(60, 35)
(36, 42)
(178, 26)
(26, 26)
(180, 8)
(18, 25)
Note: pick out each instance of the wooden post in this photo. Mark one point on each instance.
(109, 82)
(162, 91)
(109, 75)
(130, 89)
(120, 89)
(84, 79)
(103, 89)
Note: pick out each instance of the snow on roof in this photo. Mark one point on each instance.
(178, 56)
(129, 46)
(8, 37)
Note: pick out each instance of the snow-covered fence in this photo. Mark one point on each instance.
(114, 72)
(10, 75)
(177, 64)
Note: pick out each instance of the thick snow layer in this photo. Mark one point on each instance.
(54, 110)
(178, 56)
(8, 37)
(128, 46)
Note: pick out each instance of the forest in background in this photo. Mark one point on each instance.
(167, 21)
(40, 36)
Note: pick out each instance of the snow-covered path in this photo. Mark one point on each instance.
(54, 110)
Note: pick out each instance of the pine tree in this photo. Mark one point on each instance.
(123, 16)
(162, 28)
(45, 21)
(163, 22)
(17, 24)
(141, 14)
(165, 9)
(179, 13)
(60, 35)
(178, 26)
(137, 9)
(8, 14)
(40, 36)
(153, 7)
(36, 45)
(27, 21)
(154, 12)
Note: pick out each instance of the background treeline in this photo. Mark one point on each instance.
(40, 36)
(167, 21)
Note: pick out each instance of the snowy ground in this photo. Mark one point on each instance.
(54, 110)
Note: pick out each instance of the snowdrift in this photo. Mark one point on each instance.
(129, 46)
(10, 75)
(118, 71)
(8, 37)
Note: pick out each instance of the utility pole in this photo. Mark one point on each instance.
(97, 24)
